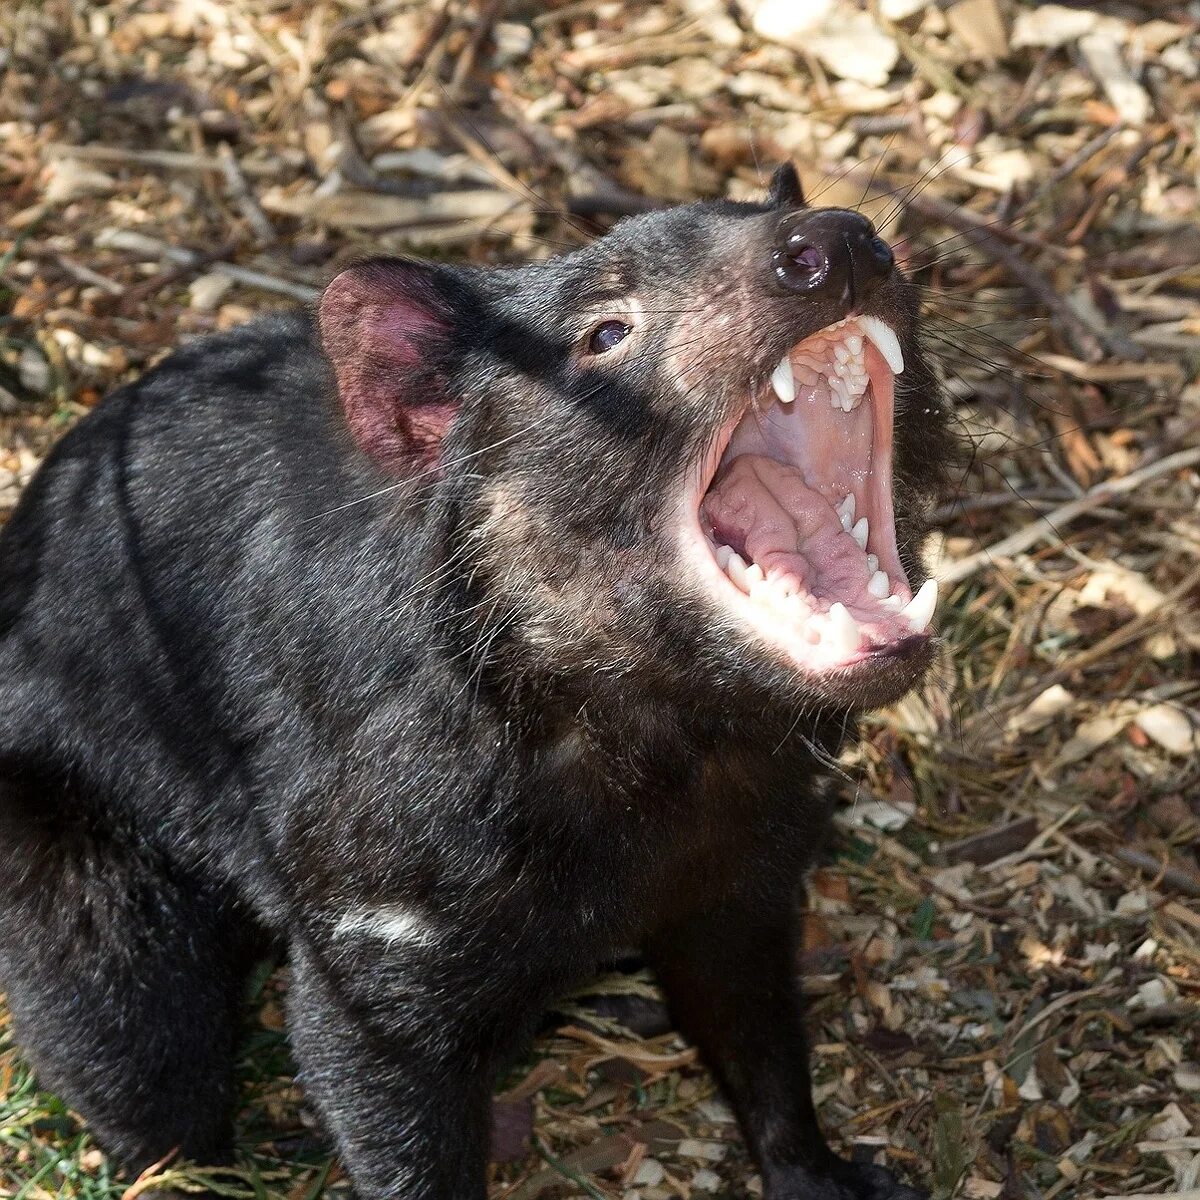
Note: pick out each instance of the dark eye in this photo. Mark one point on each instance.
(605, 337)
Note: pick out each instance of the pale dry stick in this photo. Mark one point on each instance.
(1049, 525)
(87, 275)
(244, 197)
(175, 160)
(141, 243)
(1113, 372)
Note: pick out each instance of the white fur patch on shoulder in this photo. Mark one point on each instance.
(388, 923)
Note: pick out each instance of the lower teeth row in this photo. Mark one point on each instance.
(838, 626)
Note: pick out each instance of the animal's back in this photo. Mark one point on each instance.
(123, 569)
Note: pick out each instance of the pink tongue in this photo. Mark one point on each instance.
(786, 527)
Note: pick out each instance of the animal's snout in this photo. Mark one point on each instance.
(833, 254)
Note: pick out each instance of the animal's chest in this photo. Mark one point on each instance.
(728, 825)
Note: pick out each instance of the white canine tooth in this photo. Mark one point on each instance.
(886, 342)
(878, 585)
(843, 629)
(736, 569)
(919, 610)
(783, 381)
(872, 563)
(860, 532)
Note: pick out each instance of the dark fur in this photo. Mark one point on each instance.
(253, 679)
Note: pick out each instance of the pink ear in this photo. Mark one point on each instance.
(385, 327)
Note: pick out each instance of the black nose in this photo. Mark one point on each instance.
(832, 253)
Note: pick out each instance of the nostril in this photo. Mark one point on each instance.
(800, 266)
(881, 252)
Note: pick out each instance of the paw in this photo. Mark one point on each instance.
(865, 1181)
(845, 1181)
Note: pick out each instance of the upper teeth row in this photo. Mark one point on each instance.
(847, 380)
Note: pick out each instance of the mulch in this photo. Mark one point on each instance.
(1004, 944)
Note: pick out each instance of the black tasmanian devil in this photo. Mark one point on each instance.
(497, 621)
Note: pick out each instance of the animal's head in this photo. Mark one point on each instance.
(697, 454)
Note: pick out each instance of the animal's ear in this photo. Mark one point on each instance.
(785, 190)
(388, 327)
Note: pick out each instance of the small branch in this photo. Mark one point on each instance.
(244, 197)
(175, 160)
(140, 243)
(1049, 525)
(1138, 627)
(135, 295)
(87, 275)
(1174, 877)
(484, 23)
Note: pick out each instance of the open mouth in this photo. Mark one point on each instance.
(796, 530)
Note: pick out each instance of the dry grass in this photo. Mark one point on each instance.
(1003, 1017)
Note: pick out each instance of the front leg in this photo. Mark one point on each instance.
(399, 1043)
(731, 979)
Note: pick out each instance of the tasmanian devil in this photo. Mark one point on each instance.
(499, 621)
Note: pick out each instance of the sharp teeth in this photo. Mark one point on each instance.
(872, 563)
(892, 602)
(860, 531)
(886, 342)
(878, 586)
(723, 554)
(845, 511)
(736, 568)
(843, 629)
(783, 381)
(784, 586)
(919, 610)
